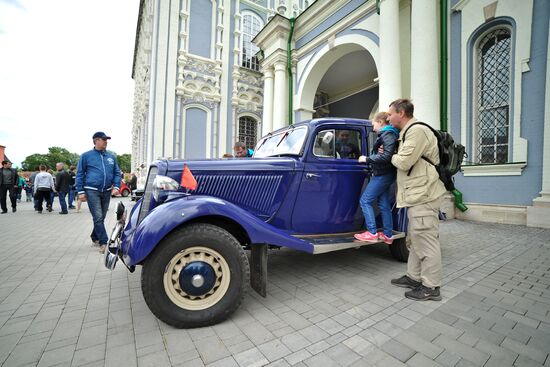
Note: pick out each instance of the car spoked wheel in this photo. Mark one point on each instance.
(196, 276)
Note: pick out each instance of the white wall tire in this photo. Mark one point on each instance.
(165, 276)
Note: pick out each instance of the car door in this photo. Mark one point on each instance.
(332, 181)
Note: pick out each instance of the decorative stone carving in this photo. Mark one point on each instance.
(248, 91)
(198, 79)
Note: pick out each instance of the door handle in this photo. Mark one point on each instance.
(312, 175)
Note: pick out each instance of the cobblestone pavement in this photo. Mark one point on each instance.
(60, 306)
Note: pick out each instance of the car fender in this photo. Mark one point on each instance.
(163, 219)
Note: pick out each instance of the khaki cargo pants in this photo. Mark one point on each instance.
(424, 264)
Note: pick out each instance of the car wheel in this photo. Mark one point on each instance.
(195, 277)
(399, 249)
(125, 193)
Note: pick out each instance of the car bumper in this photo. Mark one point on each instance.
(114, 251)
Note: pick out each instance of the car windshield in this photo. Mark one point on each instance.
(287, 142)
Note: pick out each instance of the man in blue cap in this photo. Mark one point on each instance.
(97, 178)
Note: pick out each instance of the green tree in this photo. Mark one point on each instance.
(124, 162)
(54, 155)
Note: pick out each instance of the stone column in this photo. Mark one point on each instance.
(279, 96)
(267, 118)
(538, 214)
(425, 61)
(389, 72)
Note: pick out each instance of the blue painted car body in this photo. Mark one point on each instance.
(275, 200)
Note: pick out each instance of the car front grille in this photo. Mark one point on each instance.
(146, 202)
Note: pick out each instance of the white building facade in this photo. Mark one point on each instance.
(198, 88)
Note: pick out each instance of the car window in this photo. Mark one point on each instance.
(324, 144)
(338, 143)
(348, 144)
(288, 142)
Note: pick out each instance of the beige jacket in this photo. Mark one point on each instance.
(423, 184)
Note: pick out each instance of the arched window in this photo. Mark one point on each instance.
(492, 135)
(248, 130)
(252, 24)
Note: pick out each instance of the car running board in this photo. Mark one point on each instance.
(324, 244)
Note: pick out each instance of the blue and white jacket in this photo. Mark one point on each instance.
(97, 170)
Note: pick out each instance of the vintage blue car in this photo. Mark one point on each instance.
(300, 190)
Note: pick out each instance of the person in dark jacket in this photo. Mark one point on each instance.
(379, 187)
(8, 184)
(62, 186)
(97, 178)
(72, 189)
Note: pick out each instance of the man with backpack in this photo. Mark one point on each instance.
(420, 190)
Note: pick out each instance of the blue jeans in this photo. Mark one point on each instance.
(98, 203)
(378, 189)
(62, 201)
(72, 192)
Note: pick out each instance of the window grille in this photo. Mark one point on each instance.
(252, 24)
(248, 128)
(493, 85)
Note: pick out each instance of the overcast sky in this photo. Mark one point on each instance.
(65, 73)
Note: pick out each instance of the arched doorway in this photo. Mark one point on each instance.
(340, 80)
(349, 88)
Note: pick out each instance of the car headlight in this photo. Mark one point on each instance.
(163, 183)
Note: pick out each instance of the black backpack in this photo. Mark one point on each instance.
(451, 156)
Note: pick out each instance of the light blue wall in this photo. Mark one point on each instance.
(200, 27)
(195, 133)
(329, 22)
(357, 106)
(513, 190)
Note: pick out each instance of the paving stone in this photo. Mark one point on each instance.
(341, 354)
(321, 359)
(295, 341)
(225, 362)
(211, 349)
(274, 350)
(157, 359)
(398, 350)
(420, 345)
(462, 350)
(524, 350)
(251, 358)
(89, 355)
(26, 353)
(420, 360)
(522, 319)
(121, 355)
(240, 347)
(440, 327)
(525, 361)
(297, 357)
(314, 333)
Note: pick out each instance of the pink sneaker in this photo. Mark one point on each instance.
(366, 237)
(386, 239)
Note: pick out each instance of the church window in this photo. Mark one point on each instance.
(252, 24)
(492, 97)
(248, 130)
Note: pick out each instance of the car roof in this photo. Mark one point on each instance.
(332, 120)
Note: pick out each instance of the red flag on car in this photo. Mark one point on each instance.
(187, 179)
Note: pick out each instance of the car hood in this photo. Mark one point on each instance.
(258, 185)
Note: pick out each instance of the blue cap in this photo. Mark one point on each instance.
(100, 135)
